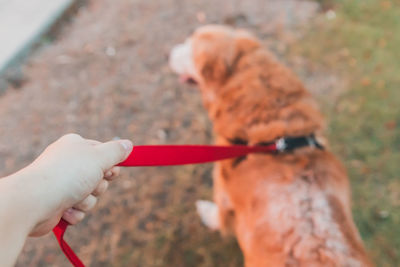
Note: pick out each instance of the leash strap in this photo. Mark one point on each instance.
(168, 155)
(59, 231)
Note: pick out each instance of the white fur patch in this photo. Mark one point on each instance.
(208, 212)
(301, 212)
(181, 59)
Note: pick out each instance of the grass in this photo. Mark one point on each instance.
(362, 45)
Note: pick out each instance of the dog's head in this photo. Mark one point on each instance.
(209, 56)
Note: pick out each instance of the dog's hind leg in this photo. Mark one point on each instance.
(208, 212)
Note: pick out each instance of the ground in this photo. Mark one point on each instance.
(106, 76)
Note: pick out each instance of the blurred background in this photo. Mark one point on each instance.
(99, 68)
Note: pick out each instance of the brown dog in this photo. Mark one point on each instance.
(286, 209)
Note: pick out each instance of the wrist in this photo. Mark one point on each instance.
(19, 198)
(39, 195)
(18, 214)
(29, 200)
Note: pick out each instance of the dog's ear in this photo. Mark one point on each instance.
(245, 42)
(212, 56)
(216, 53)
(215, 69)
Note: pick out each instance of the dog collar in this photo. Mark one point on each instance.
(288, 144)
(284, 144)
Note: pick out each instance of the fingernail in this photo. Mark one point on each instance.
(69, 211)
(127, 145)
(108, 174)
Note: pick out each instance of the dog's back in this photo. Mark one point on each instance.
(292, 210)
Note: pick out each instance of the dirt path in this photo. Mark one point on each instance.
(106, 77)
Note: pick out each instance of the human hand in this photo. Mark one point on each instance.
(69, 176)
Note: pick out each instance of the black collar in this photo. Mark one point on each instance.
(288, 144)
(285, 144)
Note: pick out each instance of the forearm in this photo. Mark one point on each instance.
(19, 213)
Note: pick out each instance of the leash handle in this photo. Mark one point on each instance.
(59, 232)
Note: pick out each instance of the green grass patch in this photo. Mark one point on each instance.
(362, 45)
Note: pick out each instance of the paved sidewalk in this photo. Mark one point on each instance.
(22, 22)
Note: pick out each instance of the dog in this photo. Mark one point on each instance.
(291, 208)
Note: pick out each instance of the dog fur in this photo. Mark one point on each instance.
(288, 209)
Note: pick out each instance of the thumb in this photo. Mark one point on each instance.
(113, 152)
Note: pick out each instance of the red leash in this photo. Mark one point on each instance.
(165, 156)
(59, 231)
(168, 155)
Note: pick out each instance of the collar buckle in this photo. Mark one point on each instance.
(281, 144)
(287, 144)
